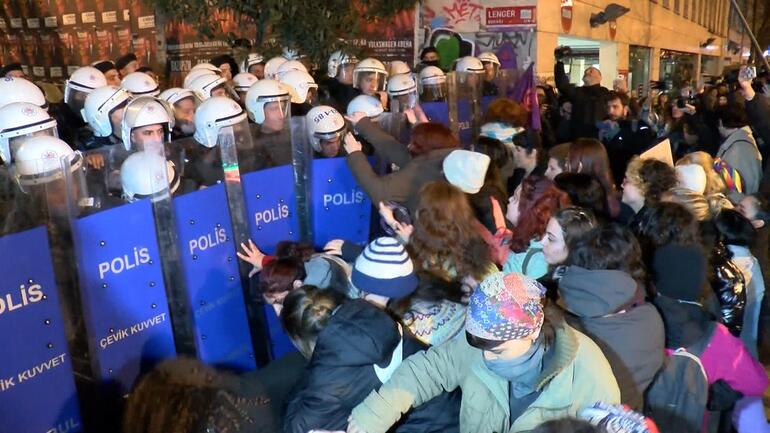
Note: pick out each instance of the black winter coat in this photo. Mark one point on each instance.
(730, 289)
(341, 373)
(589, 104)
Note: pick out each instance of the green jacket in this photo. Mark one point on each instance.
(574, 376)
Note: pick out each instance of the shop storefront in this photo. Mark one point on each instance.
(639, 63)
(677, 69)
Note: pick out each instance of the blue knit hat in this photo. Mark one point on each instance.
(385, 269)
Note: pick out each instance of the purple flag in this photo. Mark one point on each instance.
(525, 92)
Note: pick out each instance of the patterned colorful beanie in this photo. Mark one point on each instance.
(505, 307)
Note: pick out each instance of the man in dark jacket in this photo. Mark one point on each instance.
(622, 137)
(589, 102)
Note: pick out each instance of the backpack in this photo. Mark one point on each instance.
(676, 399)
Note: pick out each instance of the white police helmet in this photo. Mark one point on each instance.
(84, 80)
(194, 74)
(324, 123)
(140, 84)
(366, 104)
(21, 121)
(100, 104)
(251, 60)
(469, 64)
(175, 94)
(399, 67)
(402, 91)
(206, 67)
(39, 160)
(489, 57)
(244, 81)
(213, 114)
(262, 92)
(148, 175)
(272, 65)
(21, 90)
(205, 84)
(146, 111)
(290, 65)
(336, 61)
(300, 85)
(370, 65)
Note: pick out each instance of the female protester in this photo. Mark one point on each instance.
(504, 119)
(564, 229)
(602, 290)
(419, 163)
(588, 155)
(529, 210)
(557, 160)
(738, 234)
(517, 367)
(529, 157)
(469, 171)
(584, 191)
(353, 348)
(679, 274)
(444, 241)
(644, 184)
(183, 395)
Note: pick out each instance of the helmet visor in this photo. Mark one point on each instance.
(370, 82)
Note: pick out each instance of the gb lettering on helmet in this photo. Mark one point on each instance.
(213, 115)
(324, 123)
(20, 121)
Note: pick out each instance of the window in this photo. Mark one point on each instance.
(665, 3)
(676, 6)
(686, 10)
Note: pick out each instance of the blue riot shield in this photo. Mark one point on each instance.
(37, 390)
(341, 209)
(207, 250)
(123, 292)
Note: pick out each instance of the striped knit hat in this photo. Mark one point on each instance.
(385, 269)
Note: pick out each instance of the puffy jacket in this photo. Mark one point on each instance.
(354, 354)
(404, 185)
(575, 374)
(609, 307)
(729, 287)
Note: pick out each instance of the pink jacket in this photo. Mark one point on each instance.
(727, 358)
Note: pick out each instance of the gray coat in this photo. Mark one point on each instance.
(402, 186)
(609, 307)
(740, 151)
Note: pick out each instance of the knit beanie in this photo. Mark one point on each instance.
(617, 419)
(680, 271)
(692, 177)
(466, 170)
(385, 269)
(505, 307)
(500, 131)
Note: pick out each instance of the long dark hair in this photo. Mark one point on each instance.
(611, 247)
(590, 156)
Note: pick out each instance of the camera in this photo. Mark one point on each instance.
(561, 52)
(680, 103)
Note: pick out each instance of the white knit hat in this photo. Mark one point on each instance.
(466, 170)
(692, 177)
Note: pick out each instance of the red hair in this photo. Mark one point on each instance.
(539, 199)
(507, 111)
(279, 275)
(431, 136)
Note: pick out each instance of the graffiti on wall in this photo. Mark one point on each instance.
(514, 48)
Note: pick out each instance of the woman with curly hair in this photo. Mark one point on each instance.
(602, 290)
(588, 155)
(644, 184)
(444, 241)
(529, 209)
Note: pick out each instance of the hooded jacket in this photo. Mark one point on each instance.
(575, 375)
(355, 353)
(609, 307)
(740, 151)
(404, 185)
